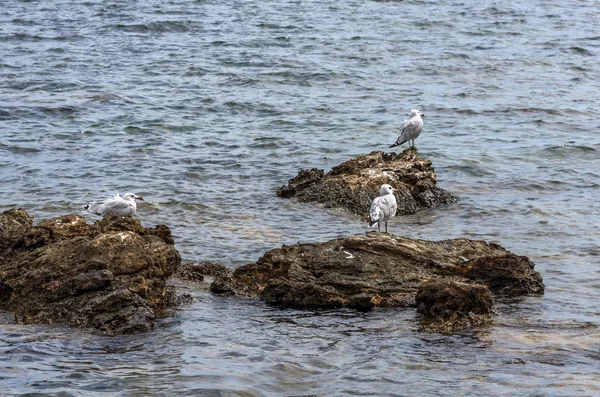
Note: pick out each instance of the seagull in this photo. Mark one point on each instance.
(383, 207)
(410, 129)
(120, 206)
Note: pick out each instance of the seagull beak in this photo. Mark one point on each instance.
(422, 116)
(139, 198)
(395, 190)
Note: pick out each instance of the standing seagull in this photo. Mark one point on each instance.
(120, 206)
(410, 129)
(383, 207)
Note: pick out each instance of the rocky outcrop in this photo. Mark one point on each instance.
(110, 276)
(386, 270)
(450, 305)
(355, 183)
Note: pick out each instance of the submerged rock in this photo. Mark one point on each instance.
(383, 270)
(110, 276)
(196, 272)
(355, 183)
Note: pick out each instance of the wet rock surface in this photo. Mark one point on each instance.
(450, 306)
(110, 276)
(196, 272)
(386, 270)
(355, 183)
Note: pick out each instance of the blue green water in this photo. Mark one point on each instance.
(206, 107)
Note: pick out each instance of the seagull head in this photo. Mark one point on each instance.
(414, 113)
(132, 196)
(386, 189)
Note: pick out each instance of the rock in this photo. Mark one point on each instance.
(448, 306)
(110, 276)
(189, 272)
(14, 224)
(355, 183)
(196, 272)
(379, 270)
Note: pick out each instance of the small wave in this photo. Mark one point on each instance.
(155, 27)
(276, 26)
(471, 169)
(132, 129)
(196, 71)
(105, 97)
(60, 110)
(19, 149)
(265, 145)
(247, 64)
(580, 50)
(570, 148)
(54, 87)
(324, 108)
(509, 110)
(261, 108)
(222, 43)
(24, 37)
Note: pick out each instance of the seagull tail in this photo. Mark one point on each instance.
(91, 209)
(372, 223)
(397, 143)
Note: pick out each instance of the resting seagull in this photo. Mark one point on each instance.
(410, 129)
(120, 206)
(383, 207)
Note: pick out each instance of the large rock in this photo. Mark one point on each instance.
(355, 183)
(380, 270)
(110, 275)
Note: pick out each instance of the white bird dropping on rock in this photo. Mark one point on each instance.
(383, 207)
(410, 129)
(120, 206)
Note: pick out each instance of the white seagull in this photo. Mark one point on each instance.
(410, 129)
(383, 207)
(120, 206)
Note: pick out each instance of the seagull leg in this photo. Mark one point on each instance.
(386, 227)
(378, 227)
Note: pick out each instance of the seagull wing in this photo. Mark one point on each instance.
(115, 206)
(410, 129)
(375, 213)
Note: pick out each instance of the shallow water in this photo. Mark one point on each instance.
(206, 107)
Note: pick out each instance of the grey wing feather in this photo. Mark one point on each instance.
(114, 207)
(411, 129)
(374, 212)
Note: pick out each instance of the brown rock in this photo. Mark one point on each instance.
(110, 275)
(379, 270)
(450, 306)
(355, 183)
